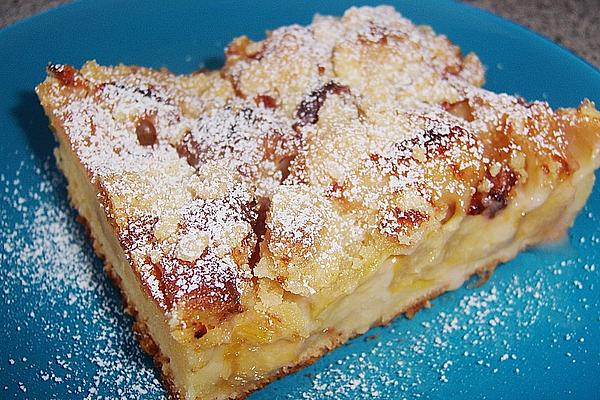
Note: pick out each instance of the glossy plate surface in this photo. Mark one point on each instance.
(532, 331)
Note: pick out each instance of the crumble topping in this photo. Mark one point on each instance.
(254, 140)
(311, 151)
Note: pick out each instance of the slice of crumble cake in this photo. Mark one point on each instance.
(327, 179)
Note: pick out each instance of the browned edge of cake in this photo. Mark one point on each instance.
(147, 343)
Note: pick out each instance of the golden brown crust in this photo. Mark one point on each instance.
(153, 142)
(250, 201)
(93, 108)
(142, 333)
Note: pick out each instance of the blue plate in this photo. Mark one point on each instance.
(533, 331)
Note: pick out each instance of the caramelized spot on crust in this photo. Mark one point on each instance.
(374, 157)
(149, 91)
(260, 229)
(336, 190)
(188, 148)
(435, 143)
(200, 331)
(265, 100)
(411, 218)
(146, 132)
(461, 109)
(308, 110)
(66, 74)
(496, 199)
(477, 207)
(521, 101)
(402, 222)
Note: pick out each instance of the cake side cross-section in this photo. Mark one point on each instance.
(327, 179)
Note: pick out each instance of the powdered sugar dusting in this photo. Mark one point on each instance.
(69, 332)
(66, 300)
(255, 141)
(387, 137)
(125, 130)
(391, 152)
